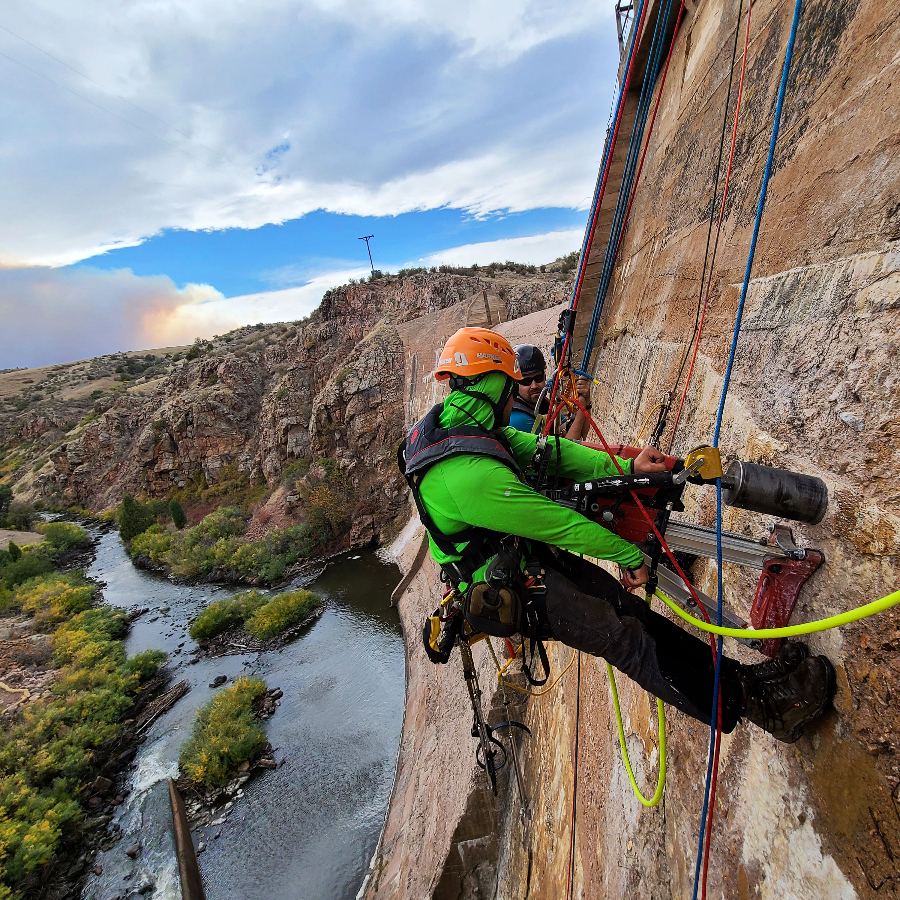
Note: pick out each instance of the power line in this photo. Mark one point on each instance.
(114, 94)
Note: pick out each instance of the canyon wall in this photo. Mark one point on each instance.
(241, 408)
(814, 389)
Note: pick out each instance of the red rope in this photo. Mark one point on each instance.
(589, 242)
(650, 521)
(637, 176)
(608, 165)
(737, 111)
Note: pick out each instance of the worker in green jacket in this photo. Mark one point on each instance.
(465, 467)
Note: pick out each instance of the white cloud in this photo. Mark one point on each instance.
(57, 315)
(207, 316)
(278, 108)
(536, 249)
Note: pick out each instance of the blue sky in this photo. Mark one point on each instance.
(177, 168)
(245, 261)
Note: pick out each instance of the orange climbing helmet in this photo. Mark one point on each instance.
(476, 351)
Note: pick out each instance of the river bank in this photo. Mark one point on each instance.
(314, 819)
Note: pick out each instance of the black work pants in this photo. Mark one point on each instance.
(589, 610)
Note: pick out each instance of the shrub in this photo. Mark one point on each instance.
(29, 565)
(176, 511)
(293, 472)
(145, 665)
(221, 615)
(216, 544)
(47, 753)
(54, 598)
(153, 543)
(225, 522)
(134, 518)
(280, 613)
(64, 535)
(14, 551)
(20, 515)
(6, 496)
(225, 734)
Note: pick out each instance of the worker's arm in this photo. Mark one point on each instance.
(572, 461)
(581, 463)
(477, 490)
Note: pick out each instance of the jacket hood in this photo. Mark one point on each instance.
(464, 409)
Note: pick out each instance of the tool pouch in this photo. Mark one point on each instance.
(494, 606)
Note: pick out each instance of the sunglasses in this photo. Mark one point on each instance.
(540, 379)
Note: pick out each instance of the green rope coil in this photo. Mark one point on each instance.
(661, 780)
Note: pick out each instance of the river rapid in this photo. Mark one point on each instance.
(308, 828)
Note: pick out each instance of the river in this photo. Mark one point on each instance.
(308, 828)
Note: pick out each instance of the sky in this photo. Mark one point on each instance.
(176, 168)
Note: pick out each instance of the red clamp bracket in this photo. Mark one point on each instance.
(780, 583)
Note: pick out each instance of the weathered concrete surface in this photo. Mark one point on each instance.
(814, 389)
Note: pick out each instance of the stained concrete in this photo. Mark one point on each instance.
(814, 389)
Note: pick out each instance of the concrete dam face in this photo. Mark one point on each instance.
(813, 388)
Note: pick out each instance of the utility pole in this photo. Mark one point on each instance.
(366, 239)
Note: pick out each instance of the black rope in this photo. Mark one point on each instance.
(575, 782)
(712, 211)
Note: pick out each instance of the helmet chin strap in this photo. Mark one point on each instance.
(463, 385)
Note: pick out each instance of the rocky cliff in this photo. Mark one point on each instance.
(242, 407)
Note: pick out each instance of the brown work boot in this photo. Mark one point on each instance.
(784, 706)
(790, 654)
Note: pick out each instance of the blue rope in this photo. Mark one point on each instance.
(582, 262)
(644, 103)
(776, 126)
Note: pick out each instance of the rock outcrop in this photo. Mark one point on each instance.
(244, 406)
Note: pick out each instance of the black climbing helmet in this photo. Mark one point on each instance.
(531, 360)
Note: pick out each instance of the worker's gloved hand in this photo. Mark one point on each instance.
(632, 578)
(583, 386)
(649, 460)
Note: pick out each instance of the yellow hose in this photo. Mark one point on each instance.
(661, 780)
(522, 690)
(637, 437)
(853, 615)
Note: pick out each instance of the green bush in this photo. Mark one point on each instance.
(221, 615)
(29, 565)
(293, 472)
(145, 665)
(47, 754)
(280, 613)
(6, 496)
(20, 515)
(216, 544)
(64, 535)
(15, 552)
(176, 511)
(225, 734)
(54, 598)
(134, 518)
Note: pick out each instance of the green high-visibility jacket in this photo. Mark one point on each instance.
(466, 489)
